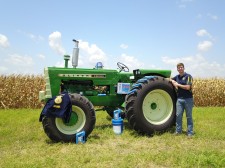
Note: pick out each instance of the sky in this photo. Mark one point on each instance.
(142, 34)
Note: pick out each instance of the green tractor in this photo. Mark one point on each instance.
(146, 97)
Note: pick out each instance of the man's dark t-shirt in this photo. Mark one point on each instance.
(186, 79)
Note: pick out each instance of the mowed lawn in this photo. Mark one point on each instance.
(23, 143)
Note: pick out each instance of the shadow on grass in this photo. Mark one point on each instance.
(51, 142)
(127, 127)
(134, 132)
(94, 136)
(138, 133)
(110, 125)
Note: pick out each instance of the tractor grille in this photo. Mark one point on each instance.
(48, 92)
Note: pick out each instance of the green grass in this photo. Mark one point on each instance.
(23, 143)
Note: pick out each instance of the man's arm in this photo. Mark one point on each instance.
(185, 87)
(176, 85)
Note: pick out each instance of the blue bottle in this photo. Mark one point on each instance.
(117, 114)
(117, 122)
(117, 126)
(80, 137)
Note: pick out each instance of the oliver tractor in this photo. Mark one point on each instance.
(146, 97)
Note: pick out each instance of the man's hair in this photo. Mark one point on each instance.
(180, 64)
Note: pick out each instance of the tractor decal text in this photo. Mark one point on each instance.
(83, 75)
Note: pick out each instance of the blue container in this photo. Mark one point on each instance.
(102, 94)
(117, 114)
(80, 137)
(117, 126)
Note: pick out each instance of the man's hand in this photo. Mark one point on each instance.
(175, 84)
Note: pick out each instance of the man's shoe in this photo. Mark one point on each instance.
(190, 135)
(177, 133)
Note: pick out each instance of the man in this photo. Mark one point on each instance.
(183, 83)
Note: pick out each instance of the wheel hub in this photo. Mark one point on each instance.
(76, 123)
(157, 106)
(153, 106)
(73, 119)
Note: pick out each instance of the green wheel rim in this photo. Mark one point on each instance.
(76, 123)
(157, 107)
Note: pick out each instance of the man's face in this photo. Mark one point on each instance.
(180, 69)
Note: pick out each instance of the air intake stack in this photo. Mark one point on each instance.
(75, 54)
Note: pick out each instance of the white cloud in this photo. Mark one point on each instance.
(4, 42)
(3, 69)
(183, 3)
(205, 45)
(202, 32)
(131, 62)
(182, 6)
(197, 66)
(16, 59)
(60, 64)
(187, 0)
(170, 61)
(190, 60)
(209, 15)
(213, 17)
(32, 36)
(35, 37)
(90, 54)
(41, 56)
(124, 46)
(55, 43)
(199, 16)
(17, 64)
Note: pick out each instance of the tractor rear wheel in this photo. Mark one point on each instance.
(82, 119)
(151, 105)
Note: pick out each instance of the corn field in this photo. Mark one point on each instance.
(21, 91)
(209, 92)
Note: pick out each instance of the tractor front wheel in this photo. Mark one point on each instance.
(82, 119)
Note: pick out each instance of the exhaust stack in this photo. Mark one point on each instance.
(66, 58)
(75, 54)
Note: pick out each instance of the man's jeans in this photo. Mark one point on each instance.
(187, 105)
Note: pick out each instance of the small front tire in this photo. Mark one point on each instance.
(82, 119)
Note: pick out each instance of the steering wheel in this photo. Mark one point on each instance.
(122, 67)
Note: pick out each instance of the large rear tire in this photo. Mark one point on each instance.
(151, 105)
(82, 119)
